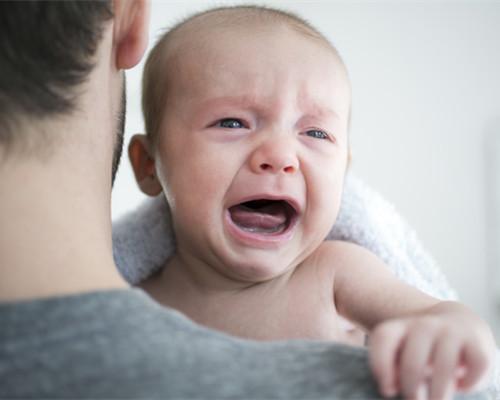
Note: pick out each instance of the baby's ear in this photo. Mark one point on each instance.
(143, 165)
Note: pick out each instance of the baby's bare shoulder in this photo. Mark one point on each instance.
(335, 252)
(335, 257)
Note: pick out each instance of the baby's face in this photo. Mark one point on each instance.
(252, 150)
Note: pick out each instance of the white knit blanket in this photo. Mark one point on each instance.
(143, 240)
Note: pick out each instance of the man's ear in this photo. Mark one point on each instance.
(143, 165)
(130, 33)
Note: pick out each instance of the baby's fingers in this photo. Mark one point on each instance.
(384, 344)
(445, 362)
(414, 368)
(476, 361)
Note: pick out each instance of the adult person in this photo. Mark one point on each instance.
(70, 326)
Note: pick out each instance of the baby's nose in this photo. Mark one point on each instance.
(277, 157)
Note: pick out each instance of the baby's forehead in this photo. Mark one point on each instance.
(202, 31)
(206, 59)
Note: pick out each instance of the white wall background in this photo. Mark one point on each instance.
(426, 116)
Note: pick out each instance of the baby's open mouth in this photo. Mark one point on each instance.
(263, 216)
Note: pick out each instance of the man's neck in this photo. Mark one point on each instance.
(55, 232)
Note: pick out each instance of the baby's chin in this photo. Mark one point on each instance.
(259, 266)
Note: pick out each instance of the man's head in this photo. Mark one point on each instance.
(61, 100)
(49, 51)
(247, 112)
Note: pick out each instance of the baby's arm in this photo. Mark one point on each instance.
(414, 339)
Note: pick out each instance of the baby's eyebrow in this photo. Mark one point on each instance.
(239, 101)
(308, 108)
(313, 109)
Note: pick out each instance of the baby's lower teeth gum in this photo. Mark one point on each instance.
(254, 229)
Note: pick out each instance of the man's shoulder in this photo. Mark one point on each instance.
(109, 338)
(83, 317)
(90, 305)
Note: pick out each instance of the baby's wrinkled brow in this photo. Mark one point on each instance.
(308, 108)
(318, 111)
(246, 102)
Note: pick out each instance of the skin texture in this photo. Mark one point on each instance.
(264, 113)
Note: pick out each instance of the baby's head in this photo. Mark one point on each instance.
(247, 113)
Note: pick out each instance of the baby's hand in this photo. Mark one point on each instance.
(431, 354)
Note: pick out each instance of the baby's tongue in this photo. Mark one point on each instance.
(268, 218)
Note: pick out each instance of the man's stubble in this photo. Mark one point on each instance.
(120, 131)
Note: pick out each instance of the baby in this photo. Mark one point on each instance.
(247, 117)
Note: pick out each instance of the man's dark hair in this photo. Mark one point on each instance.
(47, 50)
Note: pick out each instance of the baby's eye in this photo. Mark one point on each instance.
(317, 133)
(232, 123)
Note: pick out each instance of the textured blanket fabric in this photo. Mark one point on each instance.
(143, 240)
